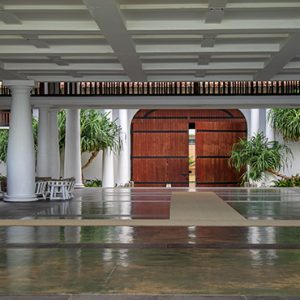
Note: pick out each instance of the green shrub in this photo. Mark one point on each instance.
(293, 181)
(93, 183)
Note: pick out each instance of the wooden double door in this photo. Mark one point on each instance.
(160, 146)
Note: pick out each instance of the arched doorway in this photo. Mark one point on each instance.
(160, 146)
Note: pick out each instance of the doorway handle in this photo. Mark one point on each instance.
(186, 174)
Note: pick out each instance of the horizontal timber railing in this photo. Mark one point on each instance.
(163, 88)
(4, 118)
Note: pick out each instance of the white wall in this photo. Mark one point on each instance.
(94, 170)
(294, 166)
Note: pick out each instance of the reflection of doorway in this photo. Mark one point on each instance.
(160, 146)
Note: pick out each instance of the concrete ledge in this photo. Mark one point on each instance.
(147, 223)
(145, 297)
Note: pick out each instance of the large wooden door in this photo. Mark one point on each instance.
(159, 152)
(160, 146)
(214, 141)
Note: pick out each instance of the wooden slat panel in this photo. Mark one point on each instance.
(238, 125)
(214, 141)
(160, 144)
(190, 113)
(153, 170)
(215, 170)
(153, 124)
(178, 169)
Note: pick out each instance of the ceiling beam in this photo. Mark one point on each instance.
(208, 41)
(7, 74)
(9, 18)
(35, 41)
(216, 9)
(288, 51)
(204, 59)
(58, 61)
(108, 17)
(200, 73)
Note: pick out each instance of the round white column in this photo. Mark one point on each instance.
(20, 153)
(254, 121)
(72, 167)
(54, 155)
(270, 133)
(108, 179)
(123, 163)
(42, 168)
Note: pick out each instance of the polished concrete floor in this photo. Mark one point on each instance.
(237, 262)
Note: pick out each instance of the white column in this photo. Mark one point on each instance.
(42, 168)
(270, 134)
(108, 179)
(20, 153)
(54, 155)
(254, 121)
(123, 163)
(72, 167)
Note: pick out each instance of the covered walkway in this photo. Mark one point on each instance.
(103, 242)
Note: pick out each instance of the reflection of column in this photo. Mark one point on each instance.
(19, 261)
(262, 235)
(72, 166)
(124, 234)
(20, 152)
(270, 134)
(108, 179)
(54, 156)
(123, 164)
(42, 168)
(254, 121)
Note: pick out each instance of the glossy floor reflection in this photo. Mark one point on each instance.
(130, 260)
(150, 271)
(154, 203)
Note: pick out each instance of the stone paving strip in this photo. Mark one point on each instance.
(149, 223)
(145, 297)
(201, 206)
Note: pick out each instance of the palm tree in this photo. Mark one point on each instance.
(260, 156)
(98, 133)
(286, 122)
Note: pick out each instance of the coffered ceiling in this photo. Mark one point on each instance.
(154, 40)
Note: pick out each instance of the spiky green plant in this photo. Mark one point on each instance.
(286, 122)
(98, 132)
(258, 156)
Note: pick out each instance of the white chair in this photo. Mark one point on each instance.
(40, 189)
(58, 190)
(71, 186)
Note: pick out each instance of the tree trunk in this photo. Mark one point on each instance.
(92, 157)
(278, 174)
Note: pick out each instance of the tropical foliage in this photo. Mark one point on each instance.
(258, 156)
(93, 183)
(286, 122)
(293, 181)
(3, 144)
(98, 132)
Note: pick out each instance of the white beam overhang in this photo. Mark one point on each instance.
(288, 51)
(155, 102)
(108, 17)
